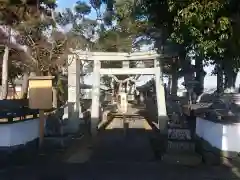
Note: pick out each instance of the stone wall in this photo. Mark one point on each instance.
(17, 134)
(217, 141)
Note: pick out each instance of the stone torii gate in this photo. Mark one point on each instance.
(74, 80)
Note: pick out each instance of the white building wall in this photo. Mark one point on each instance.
(225, 137)
(19, 133)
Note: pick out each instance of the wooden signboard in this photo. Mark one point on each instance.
(40, 92)
(40, 97)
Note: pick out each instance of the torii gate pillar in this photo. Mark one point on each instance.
(161, 103)
(95, 97)
(73, 106)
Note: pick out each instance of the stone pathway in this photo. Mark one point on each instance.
(116, 146)
(113, 145)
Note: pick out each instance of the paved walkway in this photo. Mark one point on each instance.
(118, 146)
(113, 155)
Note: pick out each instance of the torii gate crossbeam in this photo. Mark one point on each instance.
(121, 71)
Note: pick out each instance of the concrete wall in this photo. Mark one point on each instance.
(225, 137)
(19, 133)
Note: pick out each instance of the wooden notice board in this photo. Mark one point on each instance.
(40, 97)
(40, 92)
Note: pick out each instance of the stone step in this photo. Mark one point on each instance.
(181, 146)
(179, 133)
(187, 159)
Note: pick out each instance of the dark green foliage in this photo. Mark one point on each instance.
(14, 11)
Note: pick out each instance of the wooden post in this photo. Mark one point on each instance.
(41, 127)
(40, 97)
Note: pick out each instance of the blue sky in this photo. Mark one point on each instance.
(62, 4)
(66, 3)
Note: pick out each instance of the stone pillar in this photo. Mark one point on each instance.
(73, 94)
(133, 88)
(81, 91)
(127, 87)
(95, 97)
(141, 98)
(125, 64)
(113, 90)
(160, 95)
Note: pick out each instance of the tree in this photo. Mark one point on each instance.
(48, 50)
(159, 28)
(211, 27)
(206, 27)
(120, 31)
(11, 15)
(82, 30)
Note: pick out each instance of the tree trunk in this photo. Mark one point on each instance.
(234, 78)
(55, 97)
(13, 88)
(14, 91)
(188, 75)
(24, 90)
(130, 89)
(188, 78)
(230, 78)
(4, 92)
(174, 85)
(186, 66)
(219, 78)
(226, 80)
(169, 84)
(200, 75)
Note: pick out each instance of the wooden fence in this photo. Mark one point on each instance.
(16, 110)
